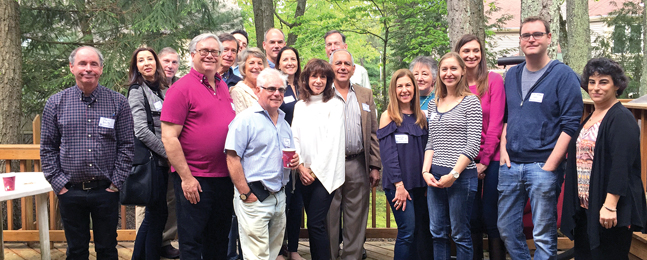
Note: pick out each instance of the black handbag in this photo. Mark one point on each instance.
(140, 186)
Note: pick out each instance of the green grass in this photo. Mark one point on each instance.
(380, 206)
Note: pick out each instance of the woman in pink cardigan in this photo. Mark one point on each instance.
(489, 88)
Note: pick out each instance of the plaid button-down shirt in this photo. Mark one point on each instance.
(84, 139)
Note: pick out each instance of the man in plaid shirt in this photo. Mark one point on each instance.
(86, 153)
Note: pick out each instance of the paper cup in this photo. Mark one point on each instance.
(9, 183)
(288, 153)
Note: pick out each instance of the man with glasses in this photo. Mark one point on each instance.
(195, 119)
(544, 106)
(254, 157)
(336, 40)
(228, 59)
(241, 37)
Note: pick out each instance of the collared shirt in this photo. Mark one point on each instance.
(259, 144)
(236, 71)
(230, 78)
(352, 121)
(205, 115)
(270, 63)
(86, 139)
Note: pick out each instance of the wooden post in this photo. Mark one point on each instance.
(373, 209)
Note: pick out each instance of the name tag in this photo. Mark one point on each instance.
(536, 97)
(366, 107)
(158, 105)
(286, 142)
(107, 122)
(401, 139)
(288, 99)
(233, 107)
(432, 116)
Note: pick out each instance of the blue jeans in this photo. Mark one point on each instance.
(449, 213)
(78, 207)
(406, 220)
(516, 185)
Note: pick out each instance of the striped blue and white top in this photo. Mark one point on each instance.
(455, 132)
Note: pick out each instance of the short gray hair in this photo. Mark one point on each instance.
(73, 54)
(167, 50)
(333, 54)
(254, 52)
(268, 30)
(428, 61)
(268, 74)
(194, 43)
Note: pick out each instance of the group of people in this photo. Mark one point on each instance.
(460, 151)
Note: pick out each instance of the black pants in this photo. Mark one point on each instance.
(294, 211)
(614, 242)
(149, 237)
(77, 207)
(203, 227)
(317, 202)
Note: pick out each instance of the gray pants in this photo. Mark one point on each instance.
(351, 199)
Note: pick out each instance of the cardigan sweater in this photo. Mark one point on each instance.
(493, 106)
(616, 170)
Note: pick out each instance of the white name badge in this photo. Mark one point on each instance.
(366, 107)
(158, 105)
(536, 97)
(107, 122)
(288, 99)
(432, 116)
(286, 142)
(233, 107)
(401, 139)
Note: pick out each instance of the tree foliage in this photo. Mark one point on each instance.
(51, 29)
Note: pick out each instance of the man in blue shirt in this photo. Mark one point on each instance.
(273, 42)
(544, 107)
(254, 147)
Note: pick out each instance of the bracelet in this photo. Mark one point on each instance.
(609, 209)
(423, 173)
(399, 185)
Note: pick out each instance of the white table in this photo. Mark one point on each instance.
(28, 184)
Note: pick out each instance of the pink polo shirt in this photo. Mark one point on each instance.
(493, 106)
(205, 116)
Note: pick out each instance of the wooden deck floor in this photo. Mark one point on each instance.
(376, 250)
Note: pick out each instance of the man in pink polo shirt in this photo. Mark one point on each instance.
(195, 119)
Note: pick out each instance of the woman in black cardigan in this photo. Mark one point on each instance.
(604, 199)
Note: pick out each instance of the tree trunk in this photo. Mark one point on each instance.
(643, 80)
(300, 10)
(549, 10)
(579, 37)
(10, 72)
(263, 18)
(465, 17)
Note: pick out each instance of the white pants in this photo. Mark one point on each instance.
(261, 226)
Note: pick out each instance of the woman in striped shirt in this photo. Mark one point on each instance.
(455, 119)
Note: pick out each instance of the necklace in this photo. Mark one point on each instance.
(424, 101)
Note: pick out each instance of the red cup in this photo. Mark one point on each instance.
(288, 153)
(9, 183)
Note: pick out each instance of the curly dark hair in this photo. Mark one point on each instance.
(316, 67)
(605, 66)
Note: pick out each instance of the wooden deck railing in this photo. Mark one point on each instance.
(29, 158)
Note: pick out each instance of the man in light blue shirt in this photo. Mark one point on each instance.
(254, 147)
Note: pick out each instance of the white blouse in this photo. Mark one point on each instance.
(243, 96)
(319, 138)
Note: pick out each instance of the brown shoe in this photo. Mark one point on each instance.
(168, 251)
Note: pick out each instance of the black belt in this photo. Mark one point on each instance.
(353, 156)
(88, 185)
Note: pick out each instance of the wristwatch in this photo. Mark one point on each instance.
(455, 174)
(244, 196)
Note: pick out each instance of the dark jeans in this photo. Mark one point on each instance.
(77, 207)
(294, 212)
(485, 209)
(203, 227)
(614, 242)
(234, 251)
(413, 241)
(149, 237)
(317, 202)
(449, 213)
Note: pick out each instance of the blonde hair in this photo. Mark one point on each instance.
(393, 108)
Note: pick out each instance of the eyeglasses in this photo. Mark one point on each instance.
(536, 35)
(273, 89)
(205, 52)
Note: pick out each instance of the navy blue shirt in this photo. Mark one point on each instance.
(230, 78)
(402, 149)
(289, 100)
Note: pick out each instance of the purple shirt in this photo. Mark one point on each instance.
(493, 106)
(85, 139)
(205, 115)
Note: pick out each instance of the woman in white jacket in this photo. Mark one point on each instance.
(318, 130)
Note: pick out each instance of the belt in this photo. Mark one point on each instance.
(273, 193)
(88, 185)
(353, 156)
